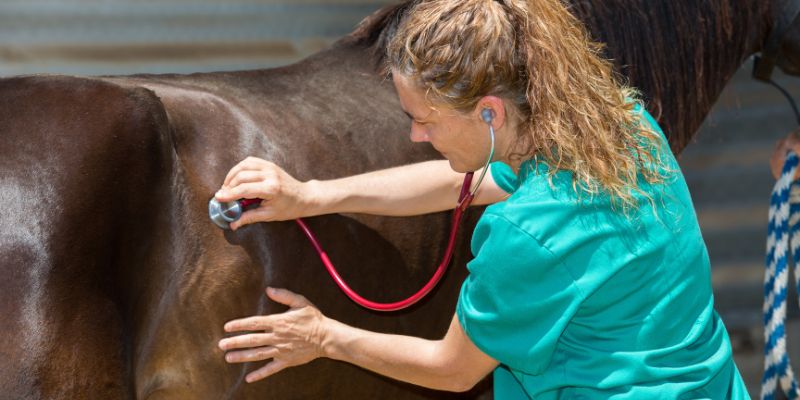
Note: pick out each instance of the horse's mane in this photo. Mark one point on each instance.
(678, 54)
(376, 30)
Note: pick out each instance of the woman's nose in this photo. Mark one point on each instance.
(418, 134)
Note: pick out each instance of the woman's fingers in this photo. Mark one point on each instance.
(256, 323)
(790, 142)
(249, 163)
(261, 214)
(247, 341)
(251, 355)
(251, 190)
(287, 297)
(246, 176)
(267, 370)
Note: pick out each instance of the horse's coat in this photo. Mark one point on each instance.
(115, 284)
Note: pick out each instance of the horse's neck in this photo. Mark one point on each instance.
(679, 54)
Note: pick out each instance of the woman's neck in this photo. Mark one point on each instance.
(507, 145)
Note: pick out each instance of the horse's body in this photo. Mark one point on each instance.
(116, 285)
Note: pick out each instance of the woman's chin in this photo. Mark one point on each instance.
(461, 167)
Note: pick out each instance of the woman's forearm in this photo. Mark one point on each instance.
(404, 358)
(413, 189)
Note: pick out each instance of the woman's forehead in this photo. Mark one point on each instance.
(406, 87)
(412, 98)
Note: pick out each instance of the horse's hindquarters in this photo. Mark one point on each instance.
(75, 156)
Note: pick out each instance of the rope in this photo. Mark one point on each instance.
(784, 215)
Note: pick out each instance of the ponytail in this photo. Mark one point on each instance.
(576, 113)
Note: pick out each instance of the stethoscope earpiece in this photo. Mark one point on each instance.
(487, 115)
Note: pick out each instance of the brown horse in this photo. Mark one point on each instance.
(116, 285)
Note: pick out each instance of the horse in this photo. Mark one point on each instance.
(116, 285)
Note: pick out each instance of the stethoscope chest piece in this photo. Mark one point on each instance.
(222, 214)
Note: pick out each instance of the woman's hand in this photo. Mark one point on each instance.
(283, 197)
(290, 339)
(790, 142)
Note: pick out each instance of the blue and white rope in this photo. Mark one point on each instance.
(784, 214)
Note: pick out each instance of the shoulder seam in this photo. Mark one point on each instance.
(552, 254)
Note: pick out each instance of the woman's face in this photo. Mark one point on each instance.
(461, 138)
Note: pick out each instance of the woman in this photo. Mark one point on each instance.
(590, 277)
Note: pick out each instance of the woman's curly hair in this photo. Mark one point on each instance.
(576, 113)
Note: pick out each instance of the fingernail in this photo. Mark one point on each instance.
(221, 344)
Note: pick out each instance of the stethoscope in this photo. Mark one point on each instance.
(222, 214)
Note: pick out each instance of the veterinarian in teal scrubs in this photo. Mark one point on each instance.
(590, 278)
(620, 306)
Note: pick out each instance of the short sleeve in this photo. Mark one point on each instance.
(504, 176)
(518, 297)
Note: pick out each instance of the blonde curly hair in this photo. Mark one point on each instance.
(576, 113)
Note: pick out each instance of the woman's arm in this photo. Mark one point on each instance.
(302, 334)
(401, 191)
(412, 189)
(453, 363)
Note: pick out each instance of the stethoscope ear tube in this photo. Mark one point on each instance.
(489, 159)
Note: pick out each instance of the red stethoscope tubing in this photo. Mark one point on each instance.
(464, 200)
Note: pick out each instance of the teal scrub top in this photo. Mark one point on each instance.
(577, 300)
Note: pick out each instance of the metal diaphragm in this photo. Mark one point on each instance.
(222, 214)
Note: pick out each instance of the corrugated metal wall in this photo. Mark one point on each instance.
(121, 37)
(726, 168)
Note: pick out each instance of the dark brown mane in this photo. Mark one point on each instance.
(379, 27)
(375, 31)
(679, 54)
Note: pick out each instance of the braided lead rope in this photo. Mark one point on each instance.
(777, 368)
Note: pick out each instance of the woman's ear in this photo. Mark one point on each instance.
(492, 108)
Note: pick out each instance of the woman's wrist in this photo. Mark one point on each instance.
(329, 339)
(319, 198)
